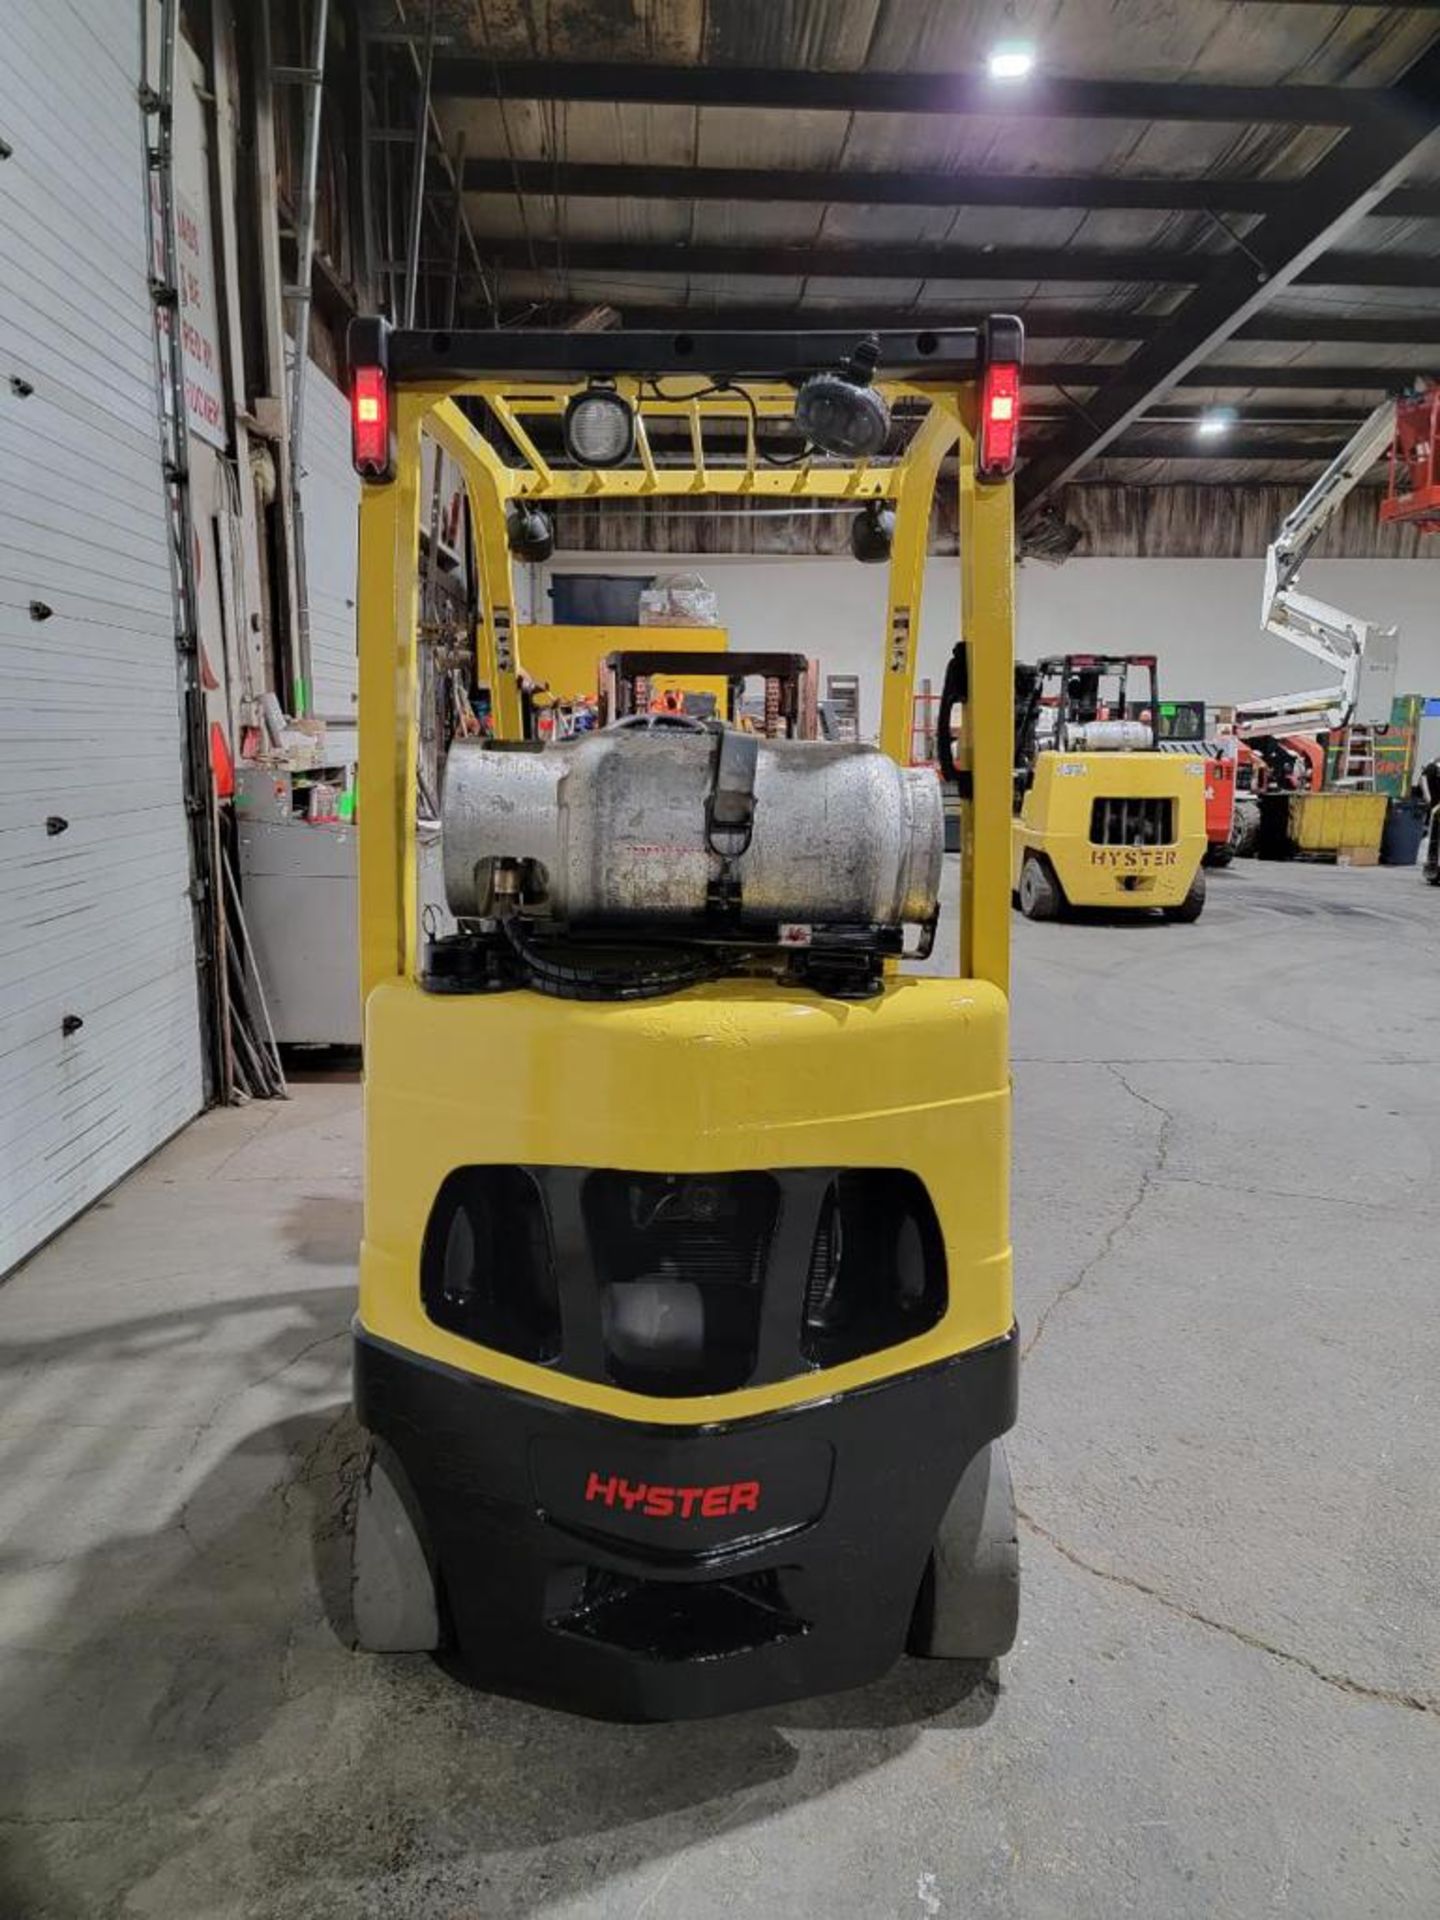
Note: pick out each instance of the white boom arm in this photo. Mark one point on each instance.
(1362, 654)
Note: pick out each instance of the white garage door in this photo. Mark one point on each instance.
(330, 502)
(95, 920)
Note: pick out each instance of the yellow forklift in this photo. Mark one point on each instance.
(685, 1341)
(1102, 819)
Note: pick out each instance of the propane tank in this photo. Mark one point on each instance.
(1109, 736)
(617, 828)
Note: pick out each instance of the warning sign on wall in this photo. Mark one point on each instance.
(199, 324)
(194, 260)
(199, 327)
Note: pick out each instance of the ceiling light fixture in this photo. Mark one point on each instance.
(1011, 60)
(1214, 421)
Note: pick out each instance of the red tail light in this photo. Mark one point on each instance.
(999, 420)
(370, 423)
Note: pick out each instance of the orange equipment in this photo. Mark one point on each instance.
(1221, 757)
(1413, 492)
(1219, 799)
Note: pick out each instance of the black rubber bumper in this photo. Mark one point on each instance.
(657, 1573)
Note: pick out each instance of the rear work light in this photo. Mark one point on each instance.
(999, 420)
(370, 423)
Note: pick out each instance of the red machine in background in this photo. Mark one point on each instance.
(1412, 494)
(1221, 757)
(1220, 806)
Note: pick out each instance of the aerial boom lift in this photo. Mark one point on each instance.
(1363, 654)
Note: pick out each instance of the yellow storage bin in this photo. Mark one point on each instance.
(1336, 822)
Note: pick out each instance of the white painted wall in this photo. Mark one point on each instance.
(1199, 616)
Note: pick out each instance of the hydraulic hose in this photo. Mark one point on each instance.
(569, 979)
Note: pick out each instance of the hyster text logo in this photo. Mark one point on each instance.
(1134, 856)
(668, 1503)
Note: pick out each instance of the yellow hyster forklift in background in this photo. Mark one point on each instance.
(1101, 818)
(685, 1341)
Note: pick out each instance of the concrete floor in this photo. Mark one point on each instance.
(1226, 1699)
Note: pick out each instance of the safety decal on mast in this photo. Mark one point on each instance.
(900, 640)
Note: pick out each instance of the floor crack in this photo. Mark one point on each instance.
(227, 1400)
(1142, 1193)
(1197, 1060)
(1167, 1118)
(264, 1379)
(1341, 1682)
(1295, 1193)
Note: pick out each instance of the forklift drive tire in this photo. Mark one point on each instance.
(1219, 854)
(392, 1586)
(1039, 893)
(969, 1604)
(1193, 905)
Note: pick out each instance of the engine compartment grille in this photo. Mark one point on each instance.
(1133, 822)
(684, 1283)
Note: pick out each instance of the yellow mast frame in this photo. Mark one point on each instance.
(388, 605)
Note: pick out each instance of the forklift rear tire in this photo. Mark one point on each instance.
(1039, 892)
(1193, 905)
(969, 1602)
(1219, 853)
(392, 1591)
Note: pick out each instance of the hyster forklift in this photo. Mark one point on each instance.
(685, 1341)
(1101, 818)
